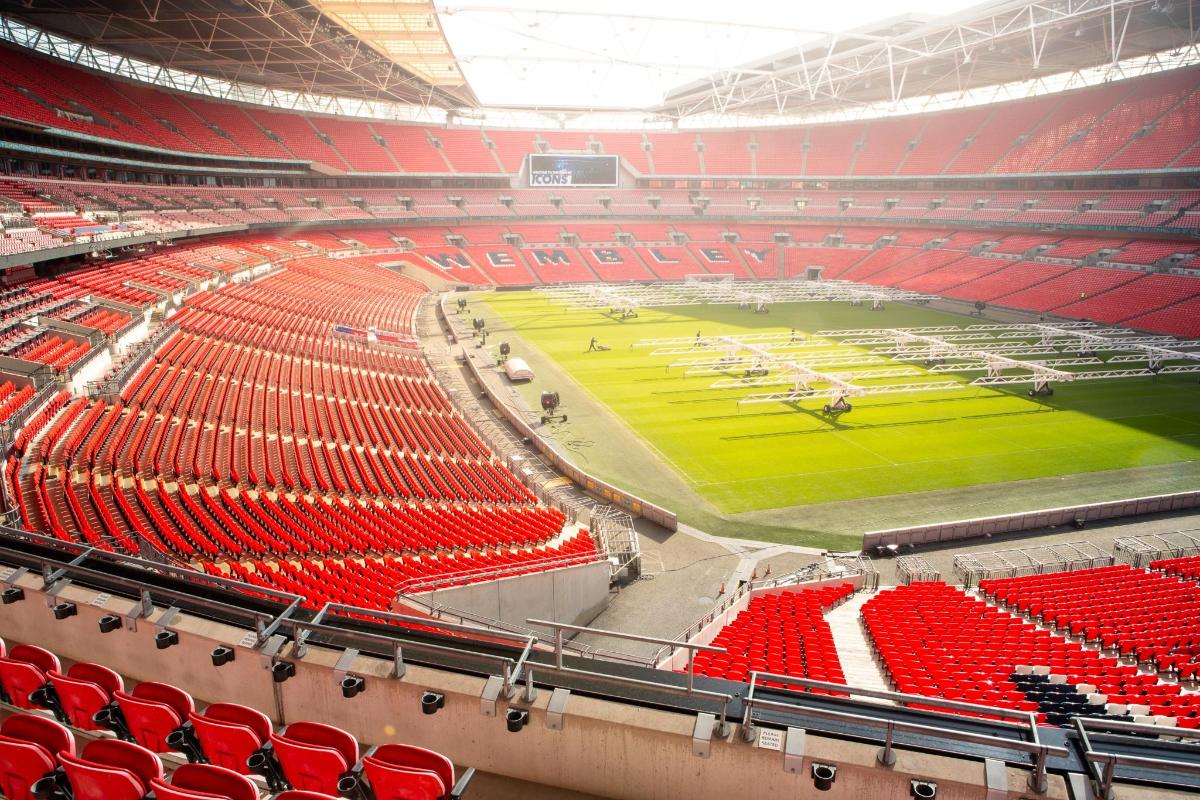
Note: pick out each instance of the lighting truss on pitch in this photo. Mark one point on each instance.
(625, 299)
(1035, 353)
(808, 368)
(836, 367)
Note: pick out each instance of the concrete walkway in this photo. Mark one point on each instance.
(853, 649)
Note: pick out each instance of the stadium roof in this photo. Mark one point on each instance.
(674, 60)
(289, 45)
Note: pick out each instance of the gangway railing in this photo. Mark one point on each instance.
(1022, 723)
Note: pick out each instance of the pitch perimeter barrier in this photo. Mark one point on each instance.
(1029, 520)
(586, 481)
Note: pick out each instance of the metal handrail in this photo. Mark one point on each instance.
(559, 627)
(430, 583)
(53, 570)
(1103, 765)
(1041, 752)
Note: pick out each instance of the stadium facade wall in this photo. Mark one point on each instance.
(572, 595)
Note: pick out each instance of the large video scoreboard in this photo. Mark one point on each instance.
(572, 170)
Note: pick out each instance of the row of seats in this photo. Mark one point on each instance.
(936, 640)
(1186, 567)
(257, 434)
(223, 205)
(224, 744)
(56, 351)
(1143, 124)
(1148, 615)
(784, 634)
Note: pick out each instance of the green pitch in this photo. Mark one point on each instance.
(760, 457)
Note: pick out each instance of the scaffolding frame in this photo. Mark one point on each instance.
(1139, 551)
(971, 568)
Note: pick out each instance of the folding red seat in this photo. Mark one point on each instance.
(152, 712)
(229, 734)
(29, 747)
(110, 769)
(406, 772)
(204, 782)
(83, 692)
(23, 672)
(313, 756)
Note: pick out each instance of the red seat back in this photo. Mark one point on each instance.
(390, 782)
(103, 677)
(22, 764)
(132, 758)
(296, 794)
(165, 791)
(225, 744)
(80, 699)
(309, 767)
(321, 735)
(91, 781)
(166, 694)
(40, 730)
(209, 779)
(40, 657)
(407, 755)
(235, 714)
(20, 679)
(149, 722)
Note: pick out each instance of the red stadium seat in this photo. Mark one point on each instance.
(84, 691)
(405, 772)
(29, 748)
(22, 764)
(229, 734)
(23, 672)
(111, 770)
(152, 712)
(313, 756)
(204, 781)
(46, 732)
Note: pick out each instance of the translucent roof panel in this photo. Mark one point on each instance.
(631, 53)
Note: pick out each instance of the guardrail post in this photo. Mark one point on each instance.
(1107, 778)
(887, 756)
(1037, 781)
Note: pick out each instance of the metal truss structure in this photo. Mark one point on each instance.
(392, 59)
(810, 369)
(1139, 551)
(287, 53)
(909, 57)
(840, 365)
(993, 349)
(971, 568)
(758, 296)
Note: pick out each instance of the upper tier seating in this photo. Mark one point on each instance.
(1142, 123)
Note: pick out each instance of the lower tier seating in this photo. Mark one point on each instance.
(1150, 616)
(935, 640)
(784, 634)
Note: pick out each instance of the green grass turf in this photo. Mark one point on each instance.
(773, 456)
